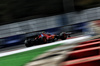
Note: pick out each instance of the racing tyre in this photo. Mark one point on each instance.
(29, 43)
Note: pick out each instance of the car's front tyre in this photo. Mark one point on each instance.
(29, 43)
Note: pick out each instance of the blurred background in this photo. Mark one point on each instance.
(21, 18)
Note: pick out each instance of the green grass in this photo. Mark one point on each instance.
(20, 59)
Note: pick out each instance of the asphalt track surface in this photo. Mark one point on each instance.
(8, 49)
(22, 46)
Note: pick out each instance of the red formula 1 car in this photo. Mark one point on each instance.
(44, 38)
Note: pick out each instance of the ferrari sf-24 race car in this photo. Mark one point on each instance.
(44, 38)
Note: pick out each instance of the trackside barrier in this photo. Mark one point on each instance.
(68, 41)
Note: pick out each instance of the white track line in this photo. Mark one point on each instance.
(68, 41)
